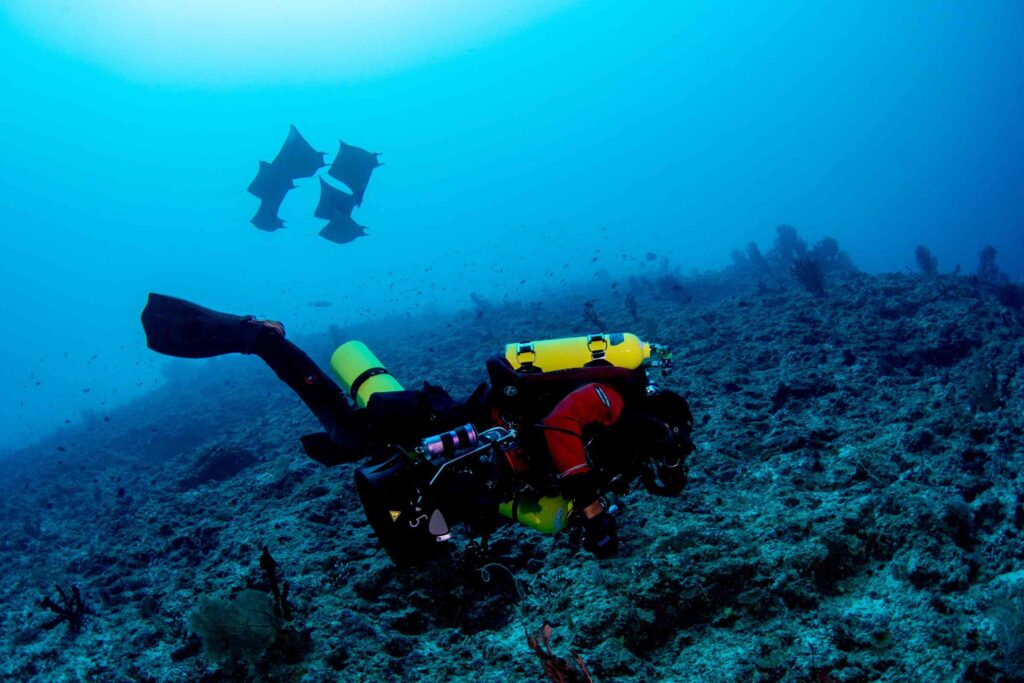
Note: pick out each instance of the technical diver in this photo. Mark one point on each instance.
(575, 424)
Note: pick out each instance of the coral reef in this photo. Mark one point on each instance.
(926, 261)
(855, 510)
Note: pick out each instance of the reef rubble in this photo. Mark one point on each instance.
(855, 509)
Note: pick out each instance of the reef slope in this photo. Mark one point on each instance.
(855, 508)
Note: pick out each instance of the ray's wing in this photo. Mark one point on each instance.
(266, 217)
(342, 229)
(333, 201)
(353, 166)
(297, 158)
(270, 181)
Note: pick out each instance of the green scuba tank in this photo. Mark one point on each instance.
(361, 374)
(546, 514)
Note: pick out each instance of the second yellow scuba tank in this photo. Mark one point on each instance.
(361, 374)
(546, 514)
(622, 350)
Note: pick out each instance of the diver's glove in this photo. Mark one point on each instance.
(600, 534)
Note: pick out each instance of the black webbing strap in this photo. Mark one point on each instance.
(358, 382)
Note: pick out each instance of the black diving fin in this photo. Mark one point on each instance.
(176, 327)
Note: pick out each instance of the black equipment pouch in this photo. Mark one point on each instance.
(412, 499)
(411, 531)
(405, 417)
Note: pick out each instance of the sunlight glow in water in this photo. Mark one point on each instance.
(230, 41)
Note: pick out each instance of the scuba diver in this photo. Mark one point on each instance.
(562, 426)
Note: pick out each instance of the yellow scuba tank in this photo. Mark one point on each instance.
(546, 514)
(622, 350)
(361, 374)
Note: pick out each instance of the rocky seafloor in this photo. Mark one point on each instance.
(855, 509)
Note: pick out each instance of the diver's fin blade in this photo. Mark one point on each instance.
(176, 327)
(320, 448)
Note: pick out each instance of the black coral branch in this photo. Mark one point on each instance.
(69, 608)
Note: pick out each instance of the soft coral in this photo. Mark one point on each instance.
(556, 668)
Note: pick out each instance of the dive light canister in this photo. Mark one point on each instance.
(446, 444)
(546, 514)
(624, 350)
(360, 373)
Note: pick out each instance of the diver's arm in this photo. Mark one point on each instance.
(589, 405)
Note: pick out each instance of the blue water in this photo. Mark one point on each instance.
(520, 139)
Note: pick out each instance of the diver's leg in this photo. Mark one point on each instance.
(319, 392)
(181, 328)
(346, 437)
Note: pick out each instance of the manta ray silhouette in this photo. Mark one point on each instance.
(298, 159)
(354, 166)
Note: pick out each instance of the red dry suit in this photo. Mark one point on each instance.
(591, 404)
